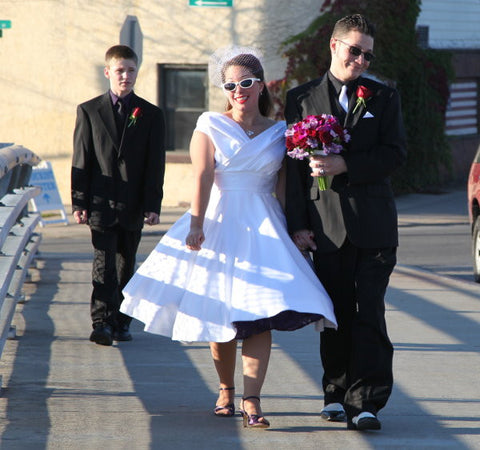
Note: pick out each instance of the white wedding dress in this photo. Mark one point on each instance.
(248, 268)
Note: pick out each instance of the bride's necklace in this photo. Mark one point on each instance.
(248, 131)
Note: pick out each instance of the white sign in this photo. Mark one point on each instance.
(49, 199)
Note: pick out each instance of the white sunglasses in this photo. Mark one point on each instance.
(246, 83)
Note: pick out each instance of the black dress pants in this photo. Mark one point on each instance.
(113, 265)
(357, 357)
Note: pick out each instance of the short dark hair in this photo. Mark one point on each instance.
(253, 64)
(354, 22)
(120, 52)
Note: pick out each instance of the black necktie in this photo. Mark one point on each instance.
(119, 115)
(120, 109)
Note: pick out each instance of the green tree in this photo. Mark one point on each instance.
(421, 76)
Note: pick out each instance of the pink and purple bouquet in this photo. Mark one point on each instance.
(316, 135)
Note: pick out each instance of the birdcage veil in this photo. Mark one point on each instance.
(234, 55)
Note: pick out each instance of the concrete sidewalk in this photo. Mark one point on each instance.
(63, 392)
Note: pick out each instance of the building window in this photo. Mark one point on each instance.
(183, 94)
(462, 108)
(422, 36)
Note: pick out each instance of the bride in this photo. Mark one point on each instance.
(227, 270)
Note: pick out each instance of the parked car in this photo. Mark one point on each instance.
(473, 190)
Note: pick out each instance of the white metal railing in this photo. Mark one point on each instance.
(18, 240)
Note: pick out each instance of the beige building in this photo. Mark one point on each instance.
(52, 60)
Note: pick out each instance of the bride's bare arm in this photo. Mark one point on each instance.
(203, 162)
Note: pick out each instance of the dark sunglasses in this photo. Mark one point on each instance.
(355, 51)
(246, 83)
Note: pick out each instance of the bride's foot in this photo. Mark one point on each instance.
(252, 413)
(225, 406)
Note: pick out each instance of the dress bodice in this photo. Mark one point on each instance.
(243, 163)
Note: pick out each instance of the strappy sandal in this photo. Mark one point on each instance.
(227, 410)
(253, 420)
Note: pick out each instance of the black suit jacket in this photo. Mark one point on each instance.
(360, 203)
(118, 176)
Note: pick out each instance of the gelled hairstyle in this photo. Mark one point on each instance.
(355, 22)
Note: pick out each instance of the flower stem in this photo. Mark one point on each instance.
(322, 183)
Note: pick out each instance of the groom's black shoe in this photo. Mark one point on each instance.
(102, 334)
(122, 333)
(333, 412)
(364, 421)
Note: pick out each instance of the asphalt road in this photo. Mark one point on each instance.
(435, 233)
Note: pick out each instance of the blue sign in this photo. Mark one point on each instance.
(42, 175)
(5, 24)
(211, 3)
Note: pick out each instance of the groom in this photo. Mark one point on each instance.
(117, 177)
(351, 227)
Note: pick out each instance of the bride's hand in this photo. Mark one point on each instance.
(304, 240)
(195, 239)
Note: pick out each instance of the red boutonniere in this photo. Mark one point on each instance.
(363, 94)
(136, 113)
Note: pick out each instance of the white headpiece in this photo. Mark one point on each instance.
(222, 56)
